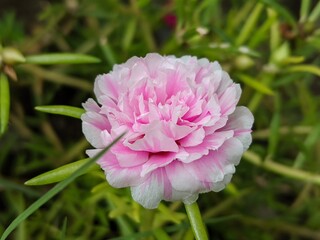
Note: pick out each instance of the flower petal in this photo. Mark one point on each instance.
(151, 191)
(193, 139)
(119, 176)
(241, 121)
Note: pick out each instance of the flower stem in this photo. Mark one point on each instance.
(197, 225)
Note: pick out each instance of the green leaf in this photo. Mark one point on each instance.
(305, 68)
(108, 53)
(282, 11)
(62, 110)
(314, 15)
(60, 173)
(4, 103)
(260, 87)
(61, 58)
(17, 187)
(64, 229)
(57, 77)
(250, 24)
(293, 60)
(309, 144)
(129, 33)
(304, 10)
(274, 127)
(54, 191)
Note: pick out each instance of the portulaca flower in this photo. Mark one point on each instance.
(185, 134)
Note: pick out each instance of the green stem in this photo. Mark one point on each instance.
(197, 225)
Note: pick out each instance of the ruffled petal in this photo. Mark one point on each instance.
(193, 139)
(94, 125)
(181, 180)
(151, 191)
(241, 121)
(116, 175)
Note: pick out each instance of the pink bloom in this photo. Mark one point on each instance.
(184, 132)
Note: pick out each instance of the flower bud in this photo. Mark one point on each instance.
(281, 54)
(243, 62)
(11, 56)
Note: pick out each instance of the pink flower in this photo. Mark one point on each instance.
(184, 132)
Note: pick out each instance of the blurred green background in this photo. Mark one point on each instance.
(270, 47)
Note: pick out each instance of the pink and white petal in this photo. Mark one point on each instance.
(194, 153)
(245, 138)
(106, 84)
(194, 110)
(151, 191)
(176, 131)
(180, 178)
(157, 160)
(230, 152)
(229, 99)
(91, 105)
(218, 125)
(193, 139)
(95, 136)
(118, 176)
(206, 170)
(214, 106)
(218, 186)
(241, 121)
(92, 152)
(186, 197)
(128, 158)
(211, 170)
(153, 61)
(216, 139)
(98, 120)
(154, 141)
(224, 82)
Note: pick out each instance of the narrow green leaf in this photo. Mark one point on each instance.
(314, 15)
(293, 60)
(266, 80)
(129, 33)
(249, 25)
(54, 191)
(282, 11)
(59, 173)
(305, 68)
(108, 53)
(284, 170)
(69, 111)
(274, 127)
(309, 143)
(61, 58)
(260, 87)
(275, 35)
(4, 103)
(304, 10)
(64, 229)
(10, 185)
(57, 77)
(261, 33)
(160, 234)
